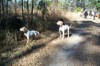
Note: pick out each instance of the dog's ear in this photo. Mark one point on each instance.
(25, 29)
(21, 29)
(59, 23)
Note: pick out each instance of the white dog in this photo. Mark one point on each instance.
(63, 28)
(29, 34)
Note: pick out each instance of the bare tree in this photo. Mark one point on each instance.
(22, 7)
(15, 8)
(28, 7)
(32, 9)
(7, 7)
(0, 7)
(23, 19)
(3, 7)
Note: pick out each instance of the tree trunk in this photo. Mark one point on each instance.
(28, 14)
(3, 7)
(32, 9)
(15, 8)
(0, 8)
(22, 8)
(7, 8)
(28, 7)
(23, 19)
(31, 18)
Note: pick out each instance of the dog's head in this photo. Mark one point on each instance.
(37, 33)
(23, 29)
(60, 23)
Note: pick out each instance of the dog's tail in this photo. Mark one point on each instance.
(70, 26)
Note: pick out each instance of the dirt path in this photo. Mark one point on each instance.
(82, 48)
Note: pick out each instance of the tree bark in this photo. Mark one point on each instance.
(28, 7)
(7, 8)
(22, 8)
(23, 19)
(32, 9)
(15, 8)
(3, 7)
(0, 8)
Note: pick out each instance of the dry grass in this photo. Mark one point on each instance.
(53, 13)
(81, 49)
(47, 53)
(12, 50)
(60, 52)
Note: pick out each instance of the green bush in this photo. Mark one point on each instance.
(98, 6)
(78, 9)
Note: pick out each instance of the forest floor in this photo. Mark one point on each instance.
(82, 48)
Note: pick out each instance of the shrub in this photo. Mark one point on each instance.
(8, 39)
(41, 25)
(11, 23)
(78, 9)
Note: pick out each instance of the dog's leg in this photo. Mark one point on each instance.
(28, 39)
(68, 32)
(63, 33)
(60, 33)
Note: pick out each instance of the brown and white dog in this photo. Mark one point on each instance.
(63, 28)
(29, 33)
